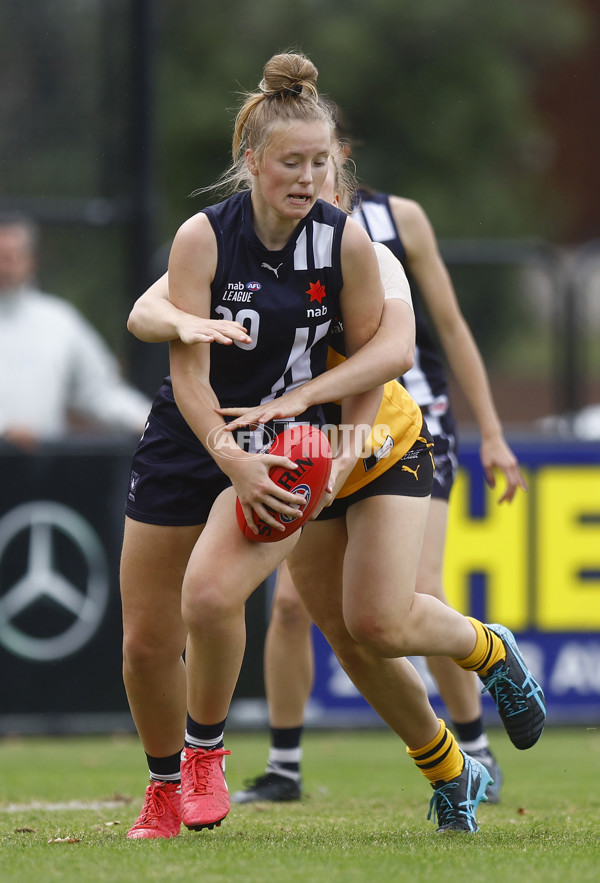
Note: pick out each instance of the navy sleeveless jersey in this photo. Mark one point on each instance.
(286, 300)
(426, 381)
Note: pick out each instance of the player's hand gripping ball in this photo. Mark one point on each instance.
(309, 448)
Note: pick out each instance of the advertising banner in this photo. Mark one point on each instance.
(533, 565)
(61, 523)
(61, 530)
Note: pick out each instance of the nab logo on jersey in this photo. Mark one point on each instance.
(317, 292)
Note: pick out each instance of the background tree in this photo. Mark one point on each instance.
(441, 97)
(439, 94)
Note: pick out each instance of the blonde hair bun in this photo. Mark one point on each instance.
(289, 75)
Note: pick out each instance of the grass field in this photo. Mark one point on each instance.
(364, 816)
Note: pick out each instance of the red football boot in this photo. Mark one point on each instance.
(204, 793)
(161, 813)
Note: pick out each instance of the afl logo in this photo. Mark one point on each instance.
(253, 286)
(303, 491)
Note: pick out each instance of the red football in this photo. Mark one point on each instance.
(308, 447)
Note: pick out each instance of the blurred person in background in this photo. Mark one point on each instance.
(55, 366)
(583, 425)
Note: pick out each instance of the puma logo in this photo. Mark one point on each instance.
(272, 269)
(413, 471)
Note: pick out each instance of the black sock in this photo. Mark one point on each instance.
(469, 732)
(286, 737)
(165, 769)
(285, 753)
(206, 736)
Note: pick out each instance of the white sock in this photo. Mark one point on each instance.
(479, 744)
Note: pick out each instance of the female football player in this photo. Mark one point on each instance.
(390, 682)
(186, 568)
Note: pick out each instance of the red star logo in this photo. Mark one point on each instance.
(317, 291)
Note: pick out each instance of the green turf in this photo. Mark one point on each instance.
(364, 816)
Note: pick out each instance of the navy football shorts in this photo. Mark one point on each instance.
(446, 466)
(174, 484)
(442, 427)
(171, 482)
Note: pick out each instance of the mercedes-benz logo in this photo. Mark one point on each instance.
(43, 525)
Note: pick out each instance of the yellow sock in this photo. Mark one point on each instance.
(440, 760)
(488, 650)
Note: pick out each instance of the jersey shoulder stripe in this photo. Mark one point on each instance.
(378, 221)
(319, 247)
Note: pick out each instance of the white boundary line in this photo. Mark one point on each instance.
(60, 807)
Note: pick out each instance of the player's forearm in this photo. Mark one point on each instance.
(154, 320)
(347, 378)
(198, 402)
(386, 356)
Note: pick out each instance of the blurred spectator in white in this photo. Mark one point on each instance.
(53, 364)
(584, 424)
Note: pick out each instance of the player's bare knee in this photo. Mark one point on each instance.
(205, 606)
(289, 614)
(144, 654)
(380, 636)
